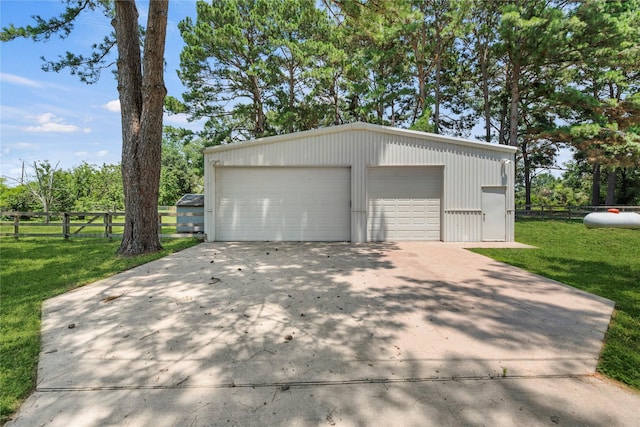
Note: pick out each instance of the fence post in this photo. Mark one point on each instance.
(109, 225)
(160, 225)
(16, 226)
(65, 225)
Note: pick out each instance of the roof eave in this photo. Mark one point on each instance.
(361, 126)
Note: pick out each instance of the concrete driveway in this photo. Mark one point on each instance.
(306, 334)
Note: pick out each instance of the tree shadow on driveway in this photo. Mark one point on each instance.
(314, 333)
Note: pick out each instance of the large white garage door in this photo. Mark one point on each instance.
(404, 203)
(287, 204)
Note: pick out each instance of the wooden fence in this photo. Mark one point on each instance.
(111, 224)
(86, 224)
(566, 212)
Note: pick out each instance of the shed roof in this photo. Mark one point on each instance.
(359, 126)
(191, 200)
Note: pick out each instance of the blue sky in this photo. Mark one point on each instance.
(55, 117)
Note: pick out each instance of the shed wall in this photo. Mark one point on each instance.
(466, 170)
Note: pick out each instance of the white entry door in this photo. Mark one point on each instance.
(494, 214)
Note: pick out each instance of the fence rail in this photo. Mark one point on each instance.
(566, 212)
(89, 224)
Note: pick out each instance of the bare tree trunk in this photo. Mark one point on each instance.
(515, 101)
(611, 188)
(504, 111)
(417, 46)
(422, 96)
(258, 105)
(595, 187)
(337, 119)
(141, 101)
(484, 65)
(438, 96)
(292, 95)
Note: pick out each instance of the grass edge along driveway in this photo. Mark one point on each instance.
(605, 262)
(36, 269)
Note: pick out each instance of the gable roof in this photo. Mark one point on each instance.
(361, 126)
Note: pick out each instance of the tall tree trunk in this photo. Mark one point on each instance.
(292, 96)
(625, 183)
(141, 101)
(422, 93)
(258, 105)
(515, 101)
(504, 112)
(484, 65)
(595, 187)
(418, 47)
(438, 96)
(337, 119)
(611, 188)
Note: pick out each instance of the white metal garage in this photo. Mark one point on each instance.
(359, 182)
(291, 204)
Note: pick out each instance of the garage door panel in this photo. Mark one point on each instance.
(404, 203)
(283, 204)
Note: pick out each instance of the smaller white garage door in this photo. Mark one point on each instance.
(404, 203)
(285, 204)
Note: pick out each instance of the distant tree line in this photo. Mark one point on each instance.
(537, 74)
(573, 188)
(92, 188)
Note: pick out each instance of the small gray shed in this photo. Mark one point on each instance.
(190, 214)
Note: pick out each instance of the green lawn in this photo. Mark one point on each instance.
(33, 270)
(605, 262)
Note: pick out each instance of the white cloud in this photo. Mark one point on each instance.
(49, 122)
(24, 145)
(103, 153)
(113, 106)
(81, 153)
(182, 120)
(17, 80)
(176, 119)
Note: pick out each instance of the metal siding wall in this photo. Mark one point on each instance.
(209, 200)
(466, 171)
(315, 151)
(360, 147)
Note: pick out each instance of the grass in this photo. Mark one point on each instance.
(604, 262)
(33, 270)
